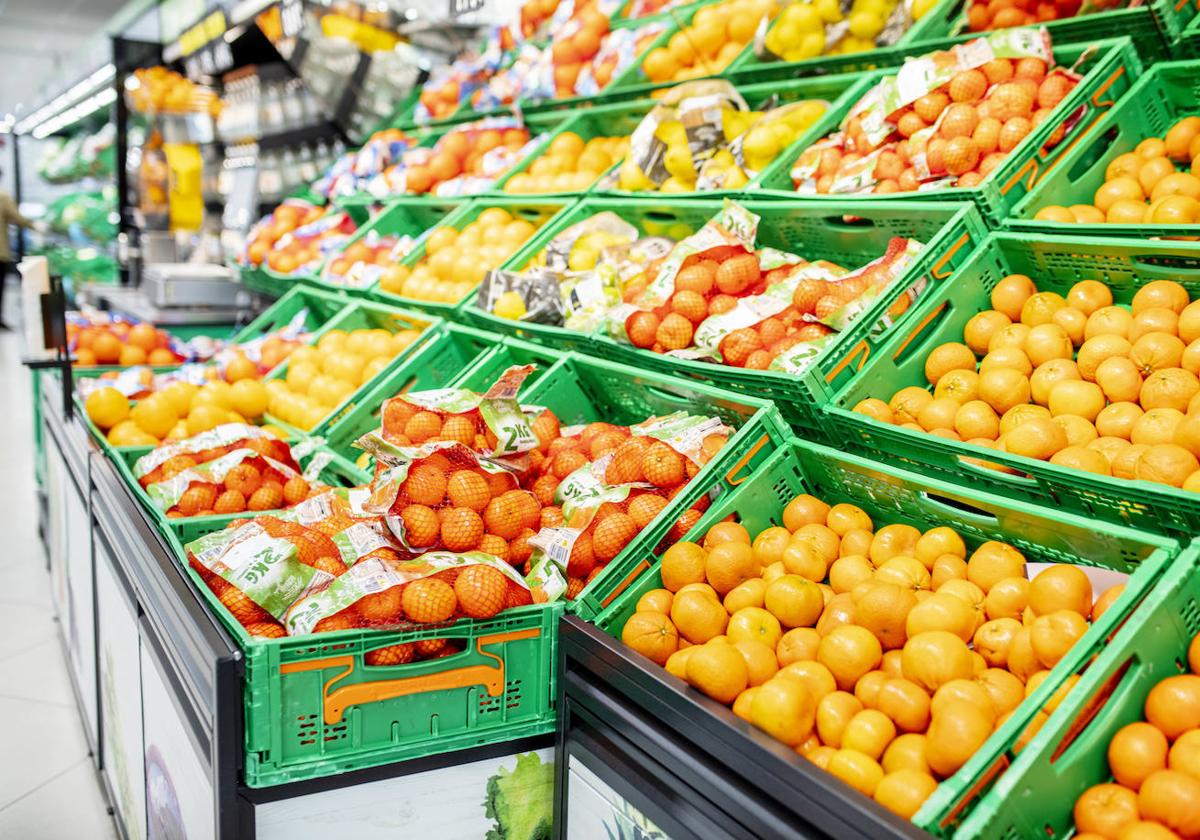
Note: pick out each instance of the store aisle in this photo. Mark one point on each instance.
(48, 787)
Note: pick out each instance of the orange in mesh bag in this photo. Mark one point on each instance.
(433, 590)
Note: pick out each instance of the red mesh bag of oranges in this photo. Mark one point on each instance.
(491, 422)
(363, 262)
(443, 497)
(947, 119)
(604, 484)
(259, 568)
(718, 297)
(437, 588)
(465, 161)
(228, 469)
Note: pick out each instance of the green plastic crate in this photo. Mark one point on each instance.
(1164, 94)
(536, 209)
(1108, 67)
(950, 233)
(337, 472)
(450, 351)
(892, 495)
(1069, 754)
(613, 120)
(256, 278)
(357, 315)
(313, 708)
(1055, 264)
(583, 389)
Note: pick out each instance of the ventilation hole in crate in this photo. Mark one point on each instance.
(1191, 616)
(512, 694)
(306, 730)
(335, 733)
(488, 704)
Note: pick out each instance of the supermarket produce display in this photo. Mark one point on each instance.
(658, 420)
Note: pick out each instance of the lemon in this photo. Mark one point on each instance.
(154, 415)
(249, 398)
(632, 179)
(865, 24)
(674, 185)
(806, 46)
(921, 7)
(803, 17)
(678, 161)
(106, 407)
(510, 305)
(829, 10)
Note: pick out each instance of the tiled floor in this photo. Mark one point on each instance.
(48, 785)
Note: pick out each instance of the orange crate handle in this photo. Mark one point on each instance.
(337, 700)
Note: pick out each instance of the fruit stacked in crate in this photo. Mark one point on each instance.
(296, 237)
(806, 30)
(716, 35)
(718, 296)
(96, 338)
(724, 145)
(571, 498)
(229, 469)
(1146, 185)
(971, 107)
(1077, 381)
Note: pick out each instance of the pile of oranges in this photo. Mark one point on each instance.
(458, 153)
(445, 505)
(983, 15)
(716, 36)
(883, 654)
(122, 344)
(455, 261)
(1145, 186)
(1155, 765)
(712, 283)
(1077, 381)
(320, 378)
(376, 251)
(569, 164)
(254, 483)
(473, 590)
(964, 129)
(576, 45)
(176, 411)
(264, 245)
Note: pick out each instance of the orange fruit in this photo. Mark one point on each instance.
(1174, 705)
(754, 623)
(859, 771)
(907, 751)
(683, 563)
(1105, 809)
(868, 732)
(905, 703)
(649, 633)
(797, 645)
(785, 709)
(992, 562)
(698, 616)
(834, 711)
(892, 541)
(883, 610)
(849, 652)
(904, 791)
(429, 601)
(728, 564)
(461, 530)
(794, 601)
(1135, 751)
(993, 638)
(1061, 587)
(718, 670)
(1171, 798)
(941, 612)
(761, 664)
(956, 732)
(868, 686)
(803, 510)
(749, 593)
(1052, 635)
(934, 658)
(815, 677)
(1185, 754)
